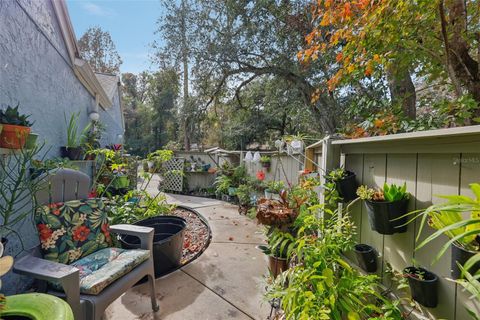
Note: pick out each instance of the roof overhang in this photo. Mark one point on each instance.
(80, 67)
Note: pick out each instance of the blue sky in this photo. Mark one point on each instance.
(131, 24)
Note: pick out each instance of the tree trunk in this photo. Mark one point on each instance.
(463, 68)
(402, 90)
(186, 111)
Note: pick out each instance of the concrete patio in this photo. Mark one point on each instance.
(225, 282)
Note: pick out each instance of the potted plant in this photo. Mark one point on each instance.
(458, 219)
(423, 285)
(31, 140)
(279, 246)
(273, 188)
(386, 207)
(15, 128)
(345, 182)
(73, 149)
(266, 162)
(366, 257)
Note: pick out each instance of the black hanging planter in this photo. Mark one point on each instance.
(366, 257)
(461, 256)
(167, 242)
(381, 214)
(347, 186)
(72, 153)
(423, 286)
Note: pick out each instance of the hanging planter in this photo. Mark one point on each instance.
(384, 216)
(266, 162)
(423, 286)
(72, 153)
(366, 257)
(461, 255)
(347, 186)
(386, 208)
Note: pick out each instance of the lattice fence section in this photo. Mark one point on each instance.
(172, 179)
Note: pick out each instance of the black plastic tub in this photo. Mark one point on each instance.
(347, 187)
(366, 257)
(461, 256)
(424, 288)
(167, 242)
(381, 215)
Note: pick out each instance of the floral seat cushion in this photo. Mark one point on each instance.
(100, 269)
(72, 230)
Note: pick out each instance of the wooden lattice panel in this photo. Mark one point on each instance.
(172, 179)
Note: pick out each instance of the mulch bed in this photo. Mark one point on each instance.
(197, 235)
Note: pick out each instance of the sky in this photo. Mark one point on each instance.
(131, 23)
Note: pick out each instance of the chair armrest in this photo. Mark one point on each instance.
(66, 275)
(145, 234)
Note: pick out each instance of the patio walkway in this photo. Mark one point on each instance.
(225, 282)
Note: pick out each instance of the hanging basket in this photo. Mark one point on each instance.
(274, 213)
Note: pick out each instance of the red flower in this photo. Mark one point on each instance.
(260, 175)
(92, 194)
(105, 231)
(54, 207)
(44, 231)
(80, 233)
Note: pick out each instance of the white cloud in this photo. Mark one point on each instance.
(97, 10)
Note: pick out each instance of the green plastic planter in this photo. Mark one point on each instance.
(36, 306)
(31, 141)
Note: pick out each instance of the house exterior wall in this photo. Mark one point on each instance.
(112, 118)
(36, 73)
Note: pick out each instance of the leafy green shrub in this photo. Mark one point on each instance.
(321, 285)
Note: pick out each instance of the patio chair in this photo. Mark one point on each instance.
(64, 185)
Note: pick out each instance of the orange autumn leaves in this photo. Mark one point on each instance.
(340, 25)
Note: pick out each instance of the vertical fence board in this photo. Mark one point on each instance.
(437, 174)
(398, 248)
(470, 173)
(374, 168)
(354, 163)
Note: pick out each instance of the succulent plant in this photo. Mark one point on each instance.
(12, 116)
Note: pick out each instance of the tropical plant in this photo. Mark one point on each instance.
(244, 193)
(222, 183)
(136, 205)
(280, 243)
(265, 159)
(275, 186)
(74, 138)
(336, 175)
(321, 285)
(447, 219)
(395, 193)
(13, 117)
(388, 193)
(17, 192)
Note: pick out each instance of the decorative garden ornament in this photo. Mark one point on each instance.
(248, 157)
(256, 157)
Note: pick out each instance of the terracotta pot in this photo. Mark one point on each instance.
(14, 137)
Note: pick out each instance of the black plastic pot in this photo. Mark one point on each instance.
(424, 289)
(381, 214)
(461, 256)
(347, 187)
(74, 153)
(366, 257)
(167, 242)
